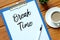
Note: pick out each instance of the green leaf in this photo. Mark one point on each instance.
(43, 1)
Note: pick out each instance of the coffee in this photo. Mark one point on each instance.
(55, 16)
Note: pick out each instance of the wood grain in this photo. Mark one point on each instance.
(55, 33)
(6, 2)
(1, 21)
(3, 34)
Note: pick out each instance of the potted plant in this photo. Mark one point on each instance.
(44, 3)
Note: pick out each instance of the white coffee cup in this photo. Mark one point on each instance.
(55, 18)
(48, 17)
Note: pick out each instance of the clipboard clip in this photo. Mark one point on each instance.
(18, 5)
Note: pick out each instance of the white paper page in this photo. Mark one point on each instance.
(33, 21)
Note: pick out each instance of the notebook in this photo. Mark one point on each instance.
(24, 21)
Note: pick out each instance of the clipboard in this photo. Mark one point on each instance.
(27, 21)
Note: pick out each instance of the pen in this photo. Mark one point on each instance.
(40, 32)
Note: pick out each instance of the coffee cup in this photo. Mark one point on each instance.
(52, 17)
(55, 18)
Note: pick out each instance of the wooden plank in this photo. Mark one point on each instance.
(1, 21)
(53, 3)
(55, 33)
(3, 34)
(5, 2)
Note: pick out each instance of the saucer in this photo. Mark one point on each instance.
(48, 16)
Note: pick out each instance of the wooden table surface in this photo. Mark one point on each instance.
(54, 33)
